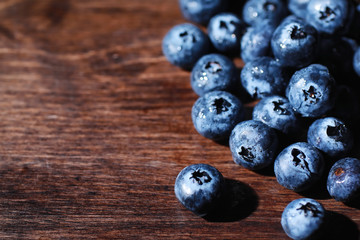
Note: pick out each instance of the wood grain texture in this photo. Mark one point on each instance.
(95, 126)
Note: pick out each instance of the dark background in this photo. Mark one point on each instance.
(95, 126)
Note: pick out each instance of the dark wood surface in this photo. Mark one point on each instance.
(95, 126)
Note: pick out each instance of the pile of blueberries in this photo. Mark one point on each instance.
(301, 69)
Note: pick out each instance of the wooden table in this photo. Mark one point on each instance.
(95, 126)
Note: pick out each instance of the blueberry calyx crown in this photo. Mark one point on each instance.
(213, 67)
(200, 177)
(246, 154)
(328, 15)
(185, 36)
(339, 171)
(221, 105)
(336, 132)
(297, 33)
(309, 208)
(311, 94)
(279, 109)
(299, 159)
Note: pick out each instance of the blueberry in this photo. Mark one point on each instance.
(255, 42)
(213, 72)
(299, 166)
(311, 91)
(225, 31)
(331, 136)
(256, 11)
(200, 11)
(356, 61)
(276, 112)
(303, 218)
(330, 16)
(298, 7)
(253, 144)
(184, 44)
(343, 183)
(216, 113)
(264, 76)
(294, 42)
(198, 187)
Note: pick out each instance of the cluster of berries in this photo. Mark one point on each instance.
(301, 68)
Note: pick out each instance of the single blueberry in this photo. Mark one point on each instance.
(356, 61)
(303, 218)
(253, 144)
(330, 16)
(256, 11)
(276, 112)
(184, 44)
(299, 166)
(255, 42)
(216, 113)
(311, 91)
(213, 72)
(298, 7)
(343, 183)
(200, 11)
(294, 42)
(264, 76)
(198, 187)
(331, 136)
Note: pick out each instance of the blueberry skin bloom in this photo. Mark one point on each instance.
(294, 42)
(277, 113)
(255, 42)
(263, 77)
(213, 72)
(253, 144)
(311, 91)
(184, 44)
(216, 113)
(256, 11)
(303, 218)
(225, 31)
(198, 188)
(331, 136)
(298, 7)
(330, 16)
(343, 183)
(299, 166)
(356, 61)
(200, 11)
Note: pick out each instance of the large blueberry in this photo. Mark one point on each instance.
(294, 42)
(299, 166)
(331, 136)
(303, 218)
(225, 31)
(213, 72)
(184, 44)
(253, 144)
(356, 61)
(256, 11)
(298, 7)
(216, 113)
(330, 16)
(276, 112)
(343, 182)
(200, 11)
(255, 42)
(264, 76)
(311, 91)
(198, 187)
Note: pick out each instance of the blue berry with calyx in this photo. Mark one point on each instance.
(263, 77)
(184, 44)
(225, 31)
(213, 72)
(294, 42)
(256, 40)
(253, 144)
(311, 91)
(331, 136)
(201, 11)
(330, 16)
(276, 112)
(356, 61)
(343, 183)
(304, 218)
(256, 11)
(216, 113)
(298, 7)
(198, 187)
(299, 166)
